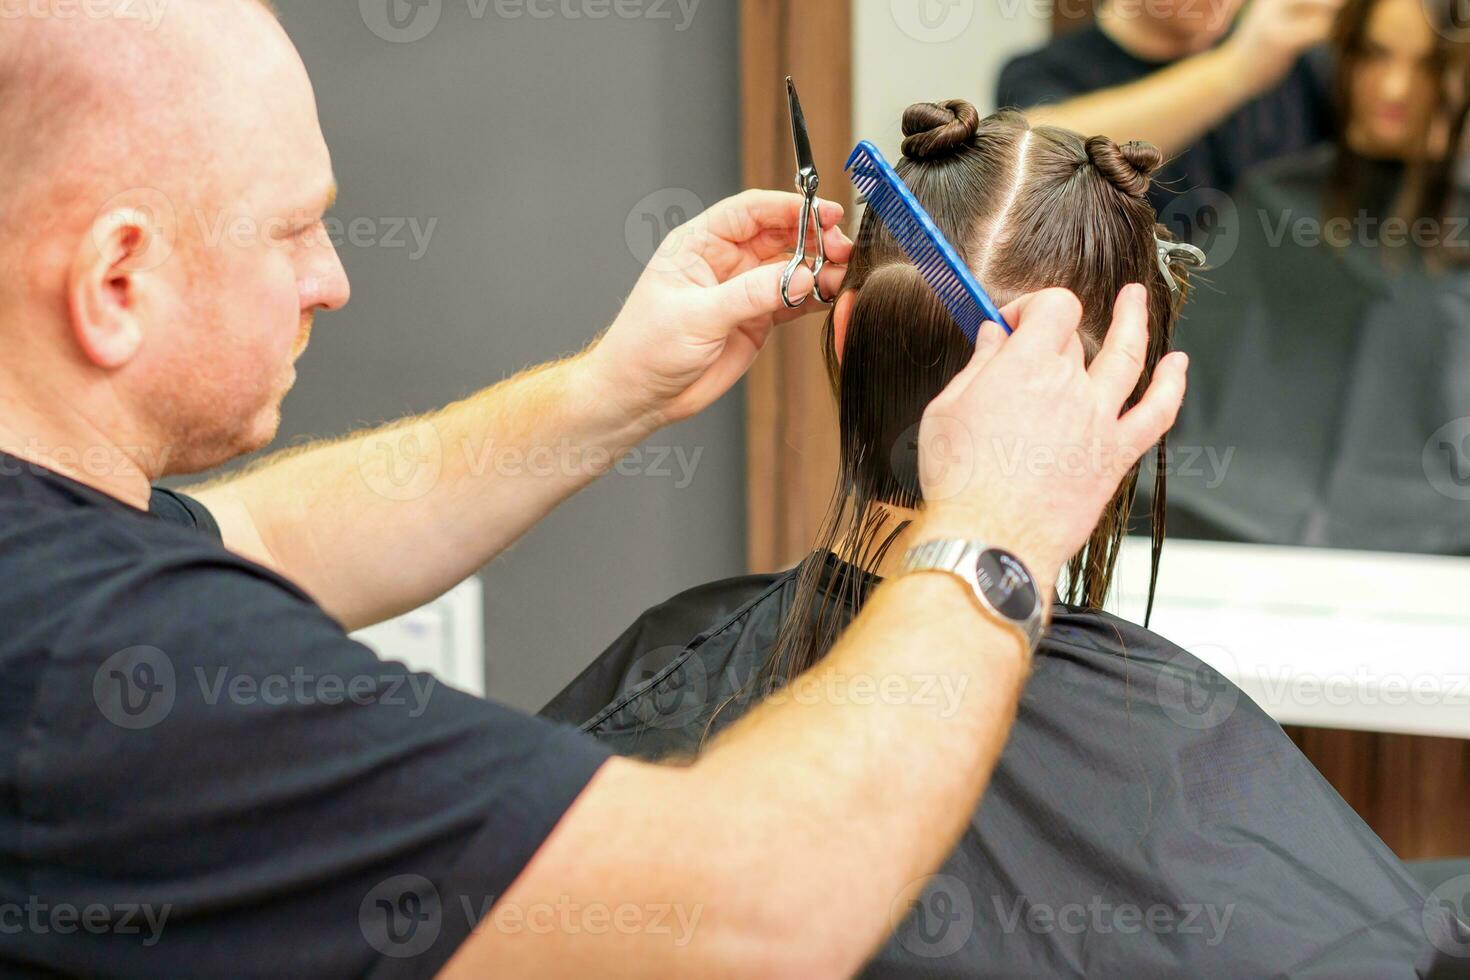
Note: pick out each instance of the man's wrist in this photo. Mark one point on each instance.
(1035, 552)
(603, 392)
(1241, 66)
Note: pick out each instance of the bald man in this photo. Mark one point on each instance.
(202, 774)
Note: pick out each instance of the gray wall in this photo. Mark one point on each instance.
(536, 143)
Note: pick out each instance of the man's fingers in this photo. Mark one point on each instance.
(1043, 321)
(987, 342)
(740, 218)
(782, 241)
(1154, 415)
(1119, 364)
(757, 293)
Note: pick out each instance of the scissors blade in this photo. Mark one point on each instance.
(804, 160)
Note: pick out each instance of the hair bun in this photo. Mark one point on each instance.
(1130, 167)
(934, 130)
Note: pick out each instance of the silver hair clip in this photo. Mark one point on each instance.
(1181, 252)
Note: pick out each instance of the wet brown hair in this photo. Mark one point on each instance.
(1027, 209)
(1429, 182)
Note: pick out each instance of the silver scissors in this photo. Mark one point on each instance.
(811, 212)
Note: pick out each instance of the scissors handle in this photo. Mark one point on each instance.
(811, 213)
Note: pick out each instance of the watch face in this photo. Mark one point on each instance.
(1007, 584)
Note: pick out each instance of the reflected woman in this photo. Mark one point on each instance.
(1145, 819)
(1330, 398)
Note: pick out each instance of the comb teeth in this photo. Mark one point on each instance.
(921, 241)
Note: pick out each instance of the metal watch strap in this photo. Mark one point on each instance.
(958, 556)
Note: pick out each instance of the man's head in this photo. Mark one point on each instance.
(1185, 25)
(164, 249)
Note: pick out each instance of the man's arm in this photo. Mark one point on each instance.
(796, 842)
(381, 522)
(1175, 106)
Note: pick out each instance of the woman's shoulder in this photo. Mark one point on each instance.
(666, 636)
(1296, 178)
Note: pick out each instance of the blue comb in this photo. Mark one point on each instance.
(922, 241)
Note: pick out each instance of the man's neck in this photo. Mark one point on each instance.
(1141, 35)
(79, 452)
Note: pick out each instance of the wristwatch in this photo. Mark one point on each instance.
(998, 579)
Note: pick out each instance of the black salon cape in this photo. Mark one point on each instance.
(1138, 787)
(1329, 389)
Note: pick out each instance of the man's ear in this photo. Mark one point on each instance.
(104, 290)
(841, 317)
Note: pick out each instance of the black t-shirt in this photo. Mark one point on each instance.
(1187, 192)
(202, 775)
(1146, 819)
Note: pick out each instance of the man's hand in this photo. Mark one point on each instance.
(1274, 33)
(707, 302)
(1028, 444)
